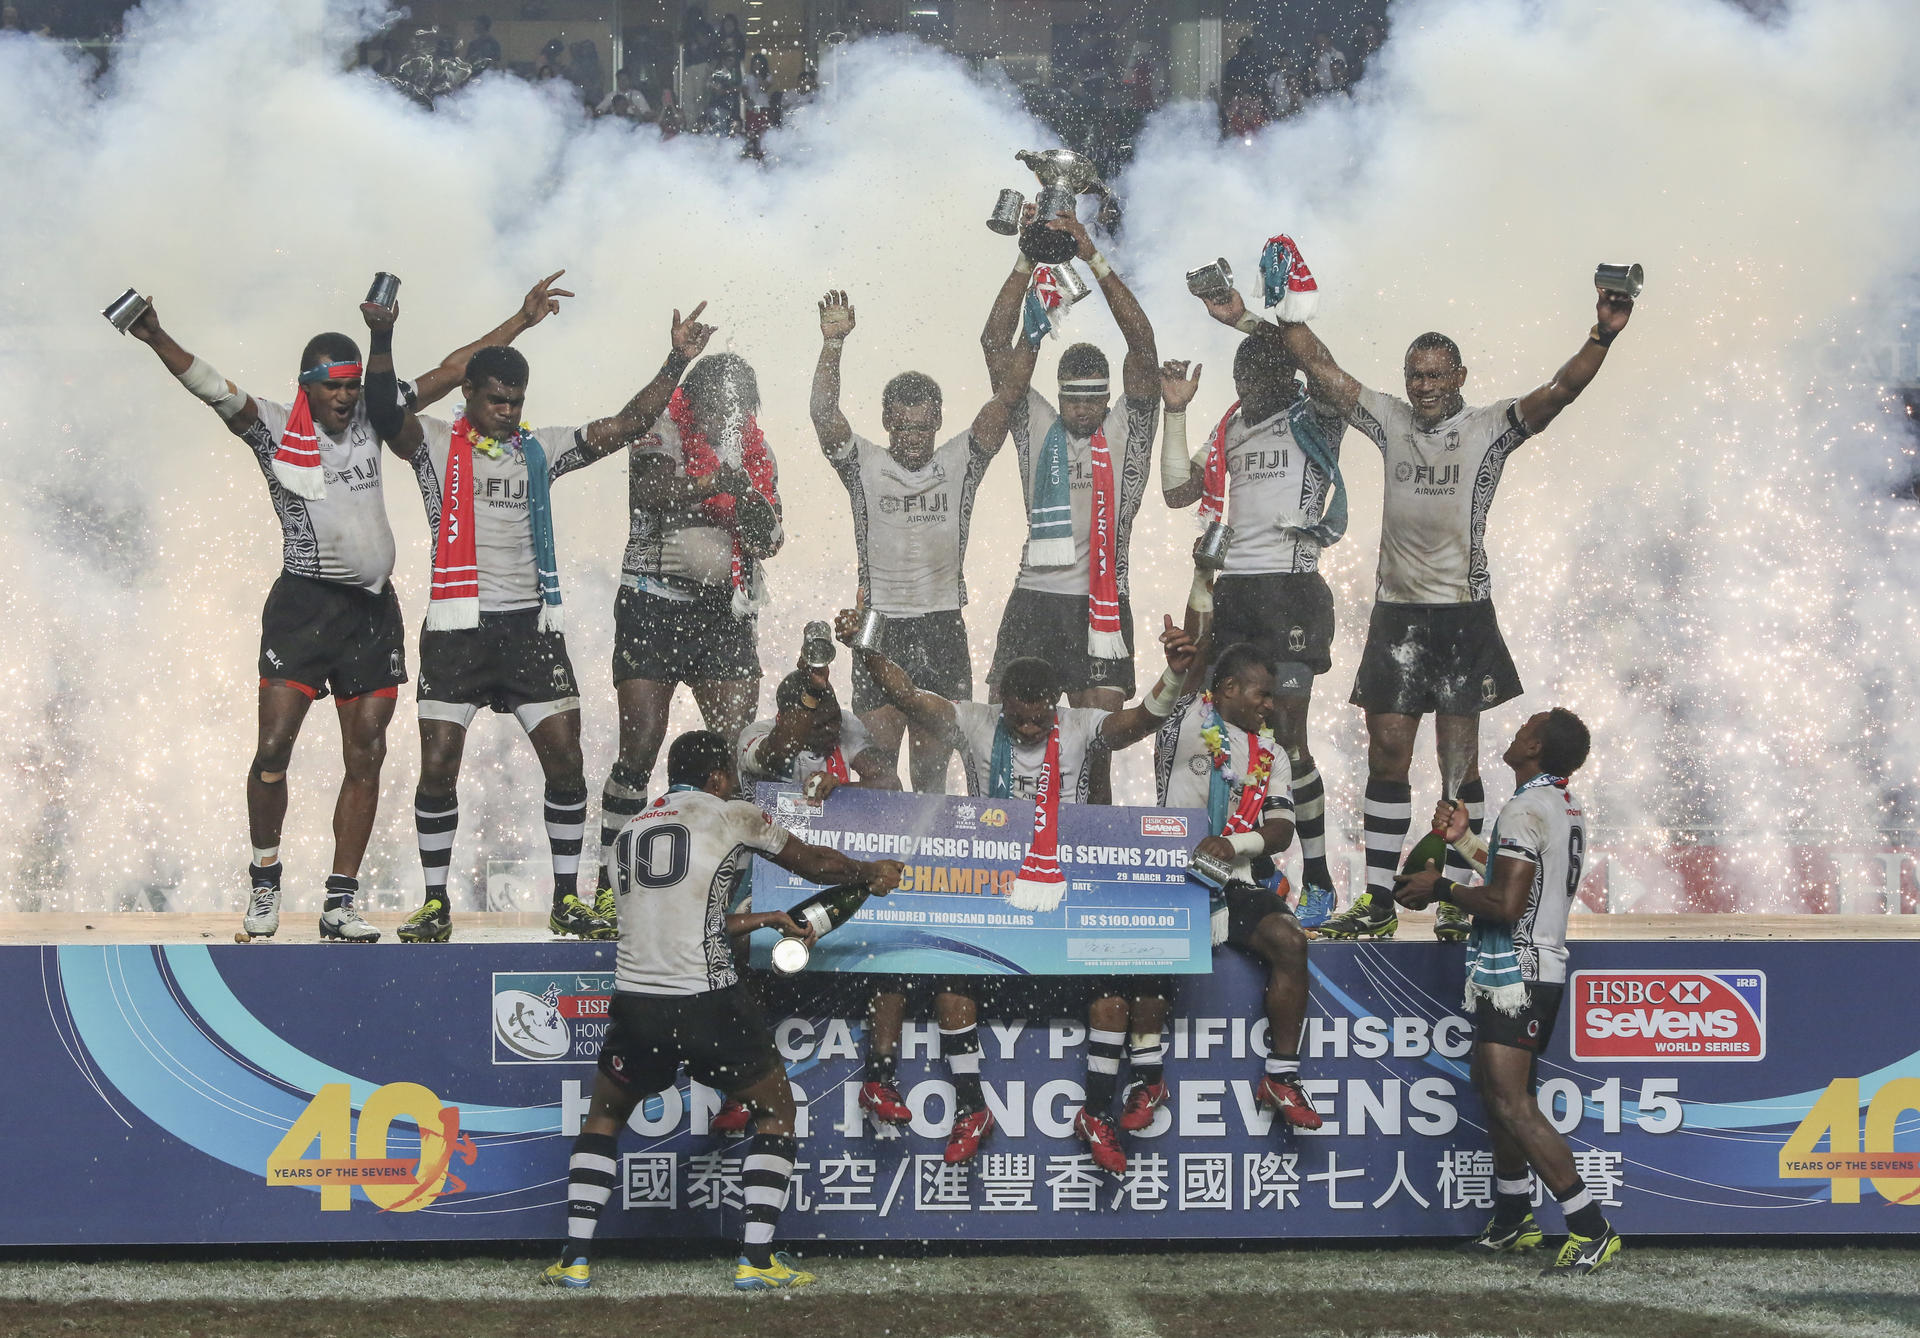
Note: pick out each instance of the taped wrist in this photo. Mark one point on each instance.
(1175, 466)
(1024, 265)
(1200, 595)
(1248, 845)
(1473, 850)
(213, 389)
(1098, 264)
(380, 341)
(1166, 692)
(1248, 323)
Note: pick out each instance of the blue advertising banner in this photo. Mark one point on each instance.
(1129, 906)
(230, 1094)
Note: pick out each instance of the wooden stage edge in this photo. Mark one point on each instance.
(73, 928)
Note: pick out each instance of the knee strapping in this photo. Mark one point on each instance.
(631, 780)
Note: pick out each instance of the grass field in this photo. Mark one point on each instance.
(1649, 1292)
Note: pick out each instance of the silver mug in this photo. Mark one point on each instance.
(1213, 281)
(1005, 218)
(1210, 554)
(125, 309)
(872, 629)
(385, 290)
(816, 646)
(790, 956)
(1623, 280)
(1072, 286)
(1209, 870)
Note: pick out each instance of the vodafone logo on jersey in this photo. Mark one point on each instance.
(1668, 1016)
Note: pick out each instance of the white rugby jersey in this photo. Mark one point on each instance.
(1181, 766)
(1272, 485)
(1130, 426)
(910, 525)
(344, 536)
(670, 552)
(854, 740)
(502, 523)
(1079, 736)
(1439, 489)
(676, 866)
(1543, 825)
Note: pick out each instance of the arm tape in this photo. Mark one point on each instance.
(1474, 851)
(1166, 692)
(213, 389)
(1098, 264)
(384, 407)
(1176, 469)
(1248, 844)
(1200, 597)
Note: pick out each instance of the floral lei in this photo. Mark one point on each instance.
(1213, 733)
(492, 447)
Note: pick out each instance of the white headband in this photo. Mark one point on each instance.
(1089, 388)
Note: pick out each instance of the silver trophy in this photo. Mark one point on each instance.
(1072, 286)
(384, 292)
(1210, 550)
(1005, 218)
(872, 629)
(1624, 280)
(1064, 175)
(816, 646)
(1212, 282)
(125, 309)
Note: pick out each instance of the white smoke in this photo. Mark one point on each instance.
(1692, 557)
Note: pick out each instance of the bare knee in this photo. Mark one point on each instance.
(1282, 943)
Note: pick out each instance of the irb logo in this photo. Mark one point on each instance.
(1668, 1016)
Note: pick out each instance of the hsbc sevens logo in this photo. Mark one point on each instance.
(1669, 1016)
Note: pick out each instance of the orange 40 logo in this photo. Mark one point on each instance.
(356, 1154)
(1857, 1149)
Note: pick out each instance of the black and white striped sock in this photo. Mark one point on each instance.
(435, 819)
(1104, 1049)
(592, 1172)
(1148, 1057)
(625, 795)
(764, 1181)
(1310, 821)
(961, 1050)
(566, 829)
(1387, 815)
(1474, 795)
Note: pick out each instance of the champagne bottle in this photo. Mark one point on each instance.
(1431, 847)
(823, 912)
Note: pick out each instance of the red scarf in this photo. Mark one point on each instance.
(1104, 637)
(1213, 499)
(454, 601)
(699, 458)
(837, 765)
(1040, 885)
(296, 461)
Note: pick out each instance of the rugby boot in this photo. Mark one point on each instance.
(263, 911)
(1583, 1254)
(970, 1130)
(607, 906)
(573, 917)
(1286, 1099)
(343, 924)
(1097, 1132)
(1370, 916)
(1450, 923)
(1510, 1238)
(575, 1276)
(883, 1101)
(1316, 905)
(1143, 1098)
(781, 1276)
(732, 1118)
(432, 923)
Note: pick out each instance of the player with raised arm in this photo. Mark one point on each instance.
(331, 623)
(1433, 643)
(494, 634)
(1516, 974)
(912, 506)
(1271, 469)
(1024, 747)
(704, 515)
(678, 996)
(1069, 605)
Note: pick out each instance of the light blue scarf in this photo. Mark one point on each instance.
(1493, 966)
(1050, 518)
(540, 516)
